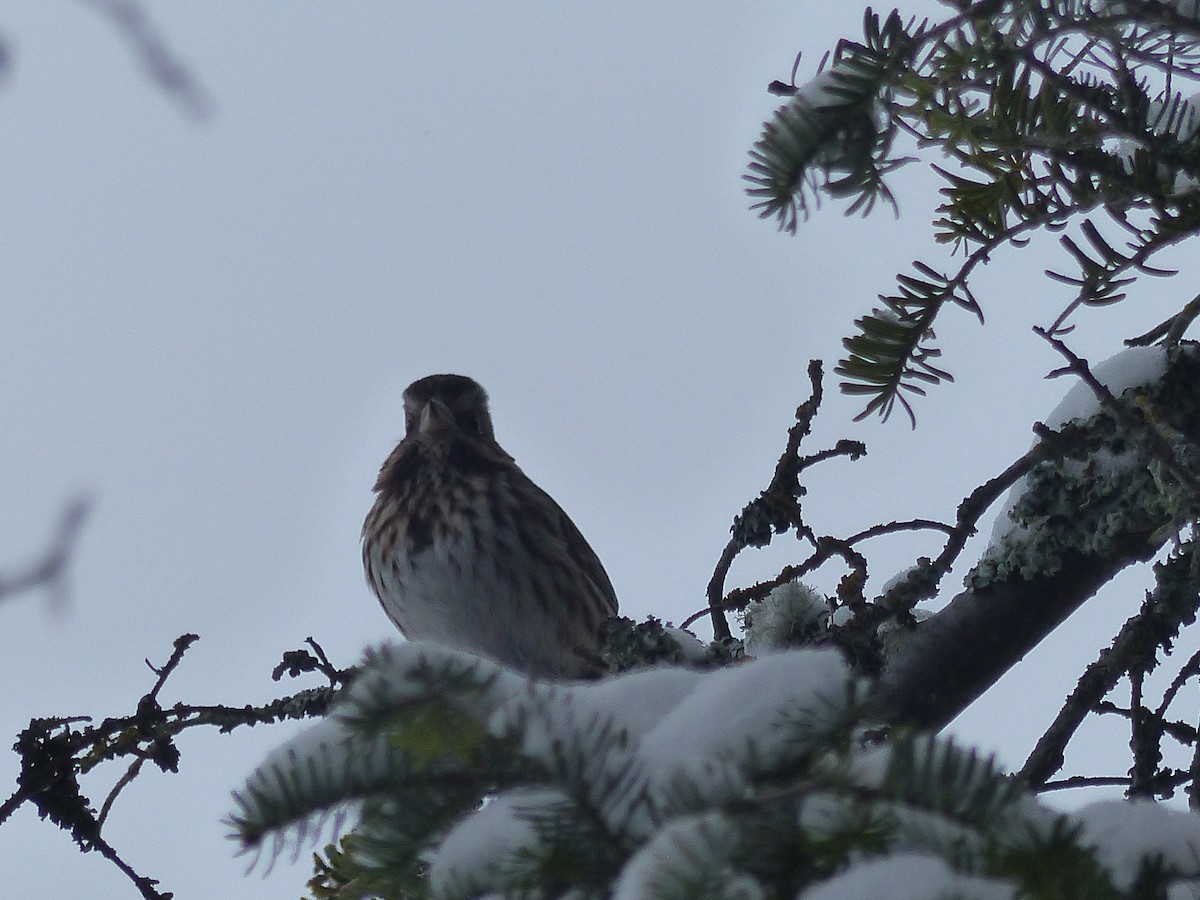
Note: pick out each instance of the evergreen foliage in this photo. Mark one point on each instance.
(756, 780)
(772, 777)
(776, 768)
(1062, 115)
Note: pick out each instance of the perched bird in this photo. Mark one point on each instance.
(462, 548)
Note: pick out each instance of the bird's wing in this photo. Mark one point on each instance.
(589, 563)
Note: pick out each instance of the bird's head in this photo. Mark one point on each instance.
(447, 407)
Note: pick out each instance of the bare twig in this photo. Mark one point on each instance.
(716, 591)
(852, 449)
(981, 499)
(1190, 669)
(827, 548)
(1171, 331)
(1181, 731)
(1081, 781)
(740, 597)
(335, 675)
(1143, 735)
(297, 662)
(146, 886)
(895, 527)
(123, 782)
(182, 643)
(54, 754)
(1139, 635)
(1047, 756)
(778, 507)
(969, 512)
(782, 498)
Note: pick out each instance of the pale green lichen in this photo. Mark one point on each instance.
(790, 616)
(1116, 486)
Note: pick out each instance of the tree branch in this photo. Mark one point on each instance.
(957, 654)
(55, 755)
(161, 63)
(776, 509)
(50, 570)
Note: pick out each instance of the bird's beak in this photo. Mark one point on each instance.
(436, 418)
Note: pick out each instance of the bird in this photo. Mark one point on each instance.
(462, 548)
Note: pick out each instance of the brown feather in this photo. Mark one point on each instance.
(462, 547)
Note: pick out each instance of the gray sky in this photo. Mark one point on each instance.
(207, 328)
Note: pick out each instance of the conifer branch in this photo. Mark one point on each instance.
(1058, 124)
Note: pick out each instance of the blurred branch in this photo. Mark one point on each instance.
(159, 60)
(50, 571)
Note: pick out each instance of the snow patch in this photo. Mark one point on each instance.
(659, 731)
(693, 850)
(691, 647)
(475, 856)
(1128, 369)
(909, 876)
(1125, 833)
(1131, 368)
(732, 723)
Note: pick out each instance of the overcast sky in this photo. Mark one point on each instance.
(206, 326)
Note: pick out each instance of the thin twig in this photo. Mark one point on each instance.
(147, 704)
(740, 597)
(335, 675)
(852, 449)
(975, 504)
(783, 491)
(1081, 781)
(145, 885)
(716, 591)
(1138, 633)
(968, 514)
(180, 647)
(54, 754)
(123, 782)
(1181, 731)
(1141, 742)
(1188, 670)
(894, 527)
(1171, 330)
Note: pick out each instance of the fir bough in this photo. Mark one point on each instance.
(1073, 116)
(751, 781)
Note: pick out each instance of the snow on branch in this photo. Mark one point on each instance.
(755, 780)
